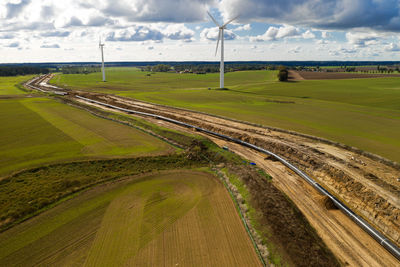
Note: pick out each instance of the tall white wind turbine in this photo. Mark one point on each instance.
(101, 46)
(221, 37)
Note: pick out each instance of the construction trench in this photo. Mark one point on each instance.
(367, 184)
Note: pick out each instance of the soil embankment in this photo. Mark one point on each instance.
(366, 183)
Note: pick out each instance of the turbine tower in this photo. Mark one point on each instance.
(101, 46)
(221, 37)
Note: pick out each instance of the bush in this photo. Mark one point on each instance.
(283, 75)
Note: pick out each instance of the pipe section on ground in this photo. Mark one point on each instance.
(386, 243)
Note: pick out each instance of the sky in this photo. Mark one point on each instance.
(181, 30)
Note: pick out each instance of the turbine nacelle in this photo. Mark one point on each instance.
(221, 29)
(100, 44)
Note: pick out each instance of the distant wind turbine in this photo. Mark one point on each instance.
(101, 46)
(221, 37)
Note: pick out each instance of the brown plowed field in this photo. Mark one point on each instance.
(311, 75)
(366, 183)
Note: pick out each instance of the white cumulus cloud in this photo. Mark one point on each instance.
(361, 39)
(211, 34)
(381, 15)
(245, 27)
(274, 33)
(308, 35)
(140, 33)
(392, 47)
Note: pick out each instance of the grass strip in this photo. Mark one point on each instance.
(29, 192)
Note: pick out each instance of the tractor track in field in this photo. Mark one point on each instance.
(366, 183)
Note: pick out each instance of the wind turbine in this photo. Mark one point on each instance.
(101, 46)
(221, 37)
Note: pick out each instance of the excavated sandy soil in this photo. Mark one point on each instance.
(368, 184)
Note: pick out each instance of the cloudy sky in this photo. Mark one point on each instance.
(180, 30)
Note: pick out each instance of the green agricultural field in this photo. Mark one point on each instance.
(179, 217)
(40, 130)
(132, 80)
(8, 85)
(363, 113)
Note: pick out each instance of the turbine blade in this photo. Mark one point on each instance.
(219, 38)
(229, 21)
(216, 23)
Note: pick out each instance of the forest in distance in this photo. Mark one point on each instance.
(21, 70)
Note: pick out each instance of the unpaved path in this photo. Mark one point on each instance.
(366, 183)
(344, 175)
(348, 241)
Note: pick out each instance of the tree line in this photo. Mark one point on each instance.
(80, 70)
(21, 70)
(202, 68)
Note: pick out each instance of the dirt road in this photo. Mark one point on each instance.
(366, 183)
(346, 240)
